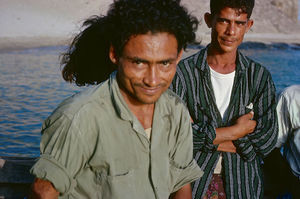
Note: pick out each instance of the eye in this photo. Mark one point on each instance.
(240, 23)
(221, 20)
(165, 64)
(136, 62)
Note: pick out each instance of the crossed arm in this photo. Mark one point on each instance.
(225, 135)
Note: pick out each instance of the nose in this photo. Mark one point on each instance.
(151, 78)
(231, 29)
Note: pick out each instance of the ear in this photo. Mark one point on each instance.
(208, 18)
(112, 54)
(179, 56)
(250, 23)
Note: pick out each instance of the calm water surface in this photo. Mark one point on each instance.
(31, 87)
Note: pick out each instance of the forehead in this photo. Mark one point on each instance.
(151, 45)
(232, 13)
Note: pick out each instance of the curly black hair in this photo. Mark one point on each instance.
(244, 6)
(87, 60)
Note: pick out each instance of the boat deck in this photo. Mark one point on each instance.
(15, 179)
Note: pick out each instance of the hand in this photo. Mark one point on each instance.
(43, 189)
(184, 192)
(244, 125)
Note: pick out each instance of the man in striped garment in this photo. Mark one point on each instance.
(231, 100)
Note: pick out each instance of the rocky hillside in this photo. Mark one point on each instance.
(273, 20)
(53, 22)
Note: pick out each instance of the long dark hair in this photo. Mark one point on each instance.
(87, 60)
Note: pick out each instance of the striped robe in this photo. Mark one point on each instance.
(242, 173)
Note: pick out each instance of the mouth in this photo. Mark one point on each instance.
(228, 41)
(151, 91)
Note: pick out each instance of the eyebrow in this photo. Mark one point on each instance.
(147, 61)
(137, 59)
(236, 21)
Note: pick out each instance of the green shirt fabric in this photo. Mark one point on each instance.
(242, 173)
(93, 146)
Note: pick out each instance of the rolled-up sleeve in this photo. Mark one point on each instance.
(203, 136)
(184, 169)
(62, 153)
(262, 141)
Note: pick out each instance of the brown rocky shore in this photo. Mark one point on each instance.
(34, 23)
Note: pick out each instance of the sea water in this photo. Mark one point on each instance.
(31, 87)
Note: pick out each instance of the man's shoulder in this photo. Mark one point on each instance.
(90, 98)
(249, 62)
(292, 92)
(194, 59)
(172, 101)
(252, 65)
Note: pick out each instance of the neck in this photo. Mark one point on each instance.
(143, 112)
(222, 62)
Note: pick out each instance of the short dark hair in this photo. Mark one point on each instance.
(243, 6)
(87, 59)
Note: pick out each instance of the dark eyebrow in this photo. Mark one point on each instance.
(241, 22)
(167, 60)
(137, 59)
(146, 61)
(222, 19)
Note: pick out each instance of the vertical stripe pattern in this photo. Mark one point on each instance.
(242, 173)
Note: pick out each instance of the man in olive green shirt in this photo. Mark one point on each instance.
(128, 137)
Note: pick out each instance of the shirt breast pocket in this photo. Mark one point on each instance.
(119, 185)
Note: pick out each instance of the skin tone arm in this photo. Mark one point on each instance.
(184, 193)
(225, 135)
(43, 189)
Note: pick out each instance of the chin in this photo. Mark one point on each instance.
(228, 49)
(148, 99)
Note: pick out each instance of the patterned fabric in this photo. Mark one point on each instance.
(252, 84)
(215, 188)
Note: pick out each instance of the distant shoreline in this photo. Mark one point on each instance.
(8, 44)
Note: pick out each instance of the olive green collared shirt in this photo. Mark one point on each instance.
(93, 146)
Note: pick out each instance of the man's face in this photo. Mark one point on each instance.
(146, 67)
(228, 29)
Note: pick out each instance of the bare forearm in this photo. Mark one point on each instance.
(43, 189)
(184, 192)
(227, 146)
(243, 126)
(225, 134)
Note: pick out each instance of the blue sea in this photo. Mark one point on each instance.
(31, 87)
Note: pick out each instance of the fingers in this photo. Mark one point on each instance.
(251, 115)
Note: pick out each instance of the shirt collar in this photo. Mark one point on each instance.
(118, 101)
(200, 60)
(121, 107)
